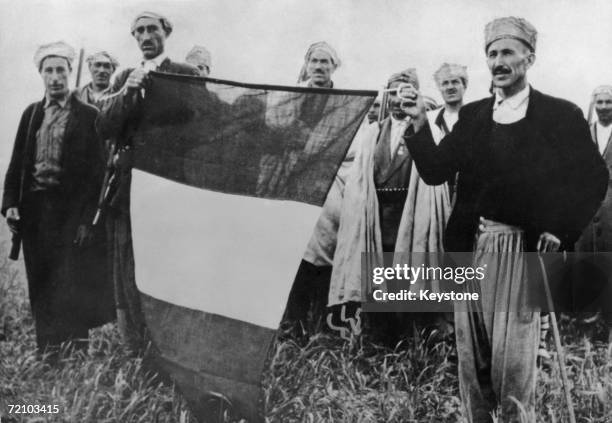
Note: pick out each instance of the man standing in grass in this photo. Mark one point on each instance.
(119, 113)
(309, 292)
(530, 180)
(49, 199)
(597, 237)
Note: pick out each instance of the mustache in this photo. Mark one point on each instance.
(501, 70)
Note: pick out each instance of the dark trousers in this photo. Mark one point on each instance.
(50, 261)
(307, 303)
(130, 319)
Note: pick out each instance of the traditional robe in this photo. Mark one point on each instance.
(592, 291)
(414, 225)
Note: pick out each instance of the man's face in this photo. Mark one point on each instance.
(508, 60)
(452, 89)
(373, 112)
(603, 107)
(150, 36)
(320, 68)
(55, 72)
(101, 71)
(202, 68)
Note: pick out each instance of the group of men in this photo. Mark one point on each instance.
(518, 171)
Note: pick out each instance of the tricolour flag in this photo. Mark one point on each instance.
(227, 186)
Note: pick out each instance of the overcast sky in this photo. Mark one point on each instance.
(264, 41)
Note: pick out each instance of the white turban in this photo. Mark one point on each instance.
(58, 48)
(511, 27)
(407, 76)
(199, 55)
(103, 56)
(450, 69)
(323, 46)
(165, 23)
(602, 89)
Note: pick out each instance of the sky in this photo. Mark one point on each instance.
(264, 41)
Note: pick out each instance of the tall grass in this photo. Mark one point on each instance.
(322, 380)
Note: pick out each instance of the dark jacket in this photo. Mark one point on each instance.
(119, 115)
(597, 236)
(121, 110)
(82, 160)
(560, 183)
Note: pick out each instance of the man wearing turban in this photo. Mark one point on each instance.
(385, 207)
(101, 66)
(118, 112)
(200, 57)
(320, 62)
(311, 285)
(530, 180)
(452, 81)
(597, 236)
(49, 199)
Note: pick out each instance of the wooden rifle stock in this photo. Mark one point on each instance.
(15, 246)
(109, 177)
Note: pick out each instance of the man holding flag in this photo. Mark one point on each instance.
(227, 182)
(120, 111)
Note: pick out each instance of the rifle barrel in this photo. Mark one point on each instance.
(80, 68)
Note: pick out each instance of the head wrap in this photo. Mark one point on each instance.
(511, 27)
(165, 23)
(451, 69)
(602, 89)
(199, 55)
(58, 48)
(408, 76)
(321, 45)
(103, 56)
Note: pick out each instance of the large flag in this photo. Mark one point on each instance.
(227, 187)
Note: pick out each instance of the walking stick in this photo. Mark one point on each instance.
(557, 338)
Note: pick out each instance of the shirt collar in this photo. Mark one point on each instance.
(156, 60)
(515, 101)
(48, 100)
(599, 125)
(89, 87)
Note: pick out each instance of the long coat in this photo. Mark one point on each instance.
(558, 188)
(68, 286)
(597, 236)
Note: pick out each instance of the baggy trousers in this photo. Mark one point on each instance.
(498, 349)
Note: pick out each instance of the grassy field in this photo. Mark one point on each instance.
(322, 380)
